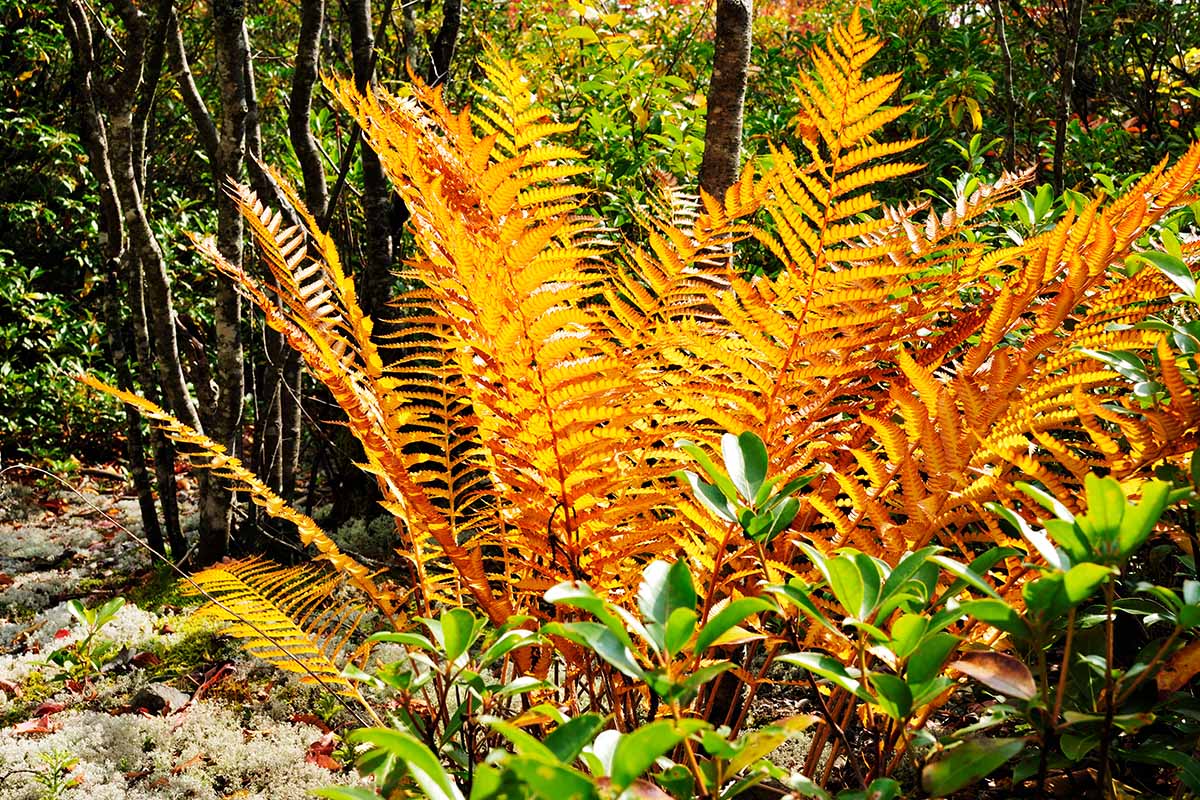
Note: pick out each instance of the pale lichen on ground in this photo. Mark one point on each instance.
(249, 735)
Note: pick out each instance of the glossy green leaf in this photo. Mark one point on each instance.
(568, 740)
(829, 668)
(345, 793)
(422, 764)
(581, 32)
(506, 643)
(1081, 581)
(929, 659)
(762, 742)
(459, 629)
(1140, 519)
(547, 780)
(637, 750)
(1120, 361)
(407, 639)
(1174, 269)
(964, 574)
(709, 496)
(732, 614)
(601, 641)
(907, 631)
(892, 695)
(999, 614)
(746, 461)
(967, 763)
(579, 595)
(664, 588)
(679, 630)
(523, 742)
(715, 474)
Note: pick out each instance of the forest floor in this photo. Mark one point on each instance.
(168, 710)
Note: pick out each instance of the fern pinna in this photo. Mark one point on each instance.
(521, 418)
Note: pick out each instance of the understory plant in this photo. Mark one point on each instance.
(536, 386)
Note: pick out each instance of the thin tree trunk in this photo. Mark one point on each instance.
(1010, 98)
(1073, 26)
(96, 137)
(442, 49)
(377, 204)
(145, 245)
(135, 448)
(316, 197)
(232, 54)
(304, 78)
(726, 97)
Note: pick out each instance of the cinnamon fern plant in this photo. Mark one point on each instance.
(524, 412)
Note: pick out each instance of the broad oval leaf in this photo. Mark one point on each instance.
(967, 763)
(998, 671)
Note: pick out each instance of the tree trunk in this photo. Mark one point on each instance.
(1010, 98)
(304, 77)
(1072, 26)
(232, 54)
(122, 145)
(726, 97)
(375, 278)
(442, 48)
(316, 197)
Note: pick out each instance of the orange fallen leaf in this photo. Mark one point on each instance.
(320, 753)
(36, 726)
(311, 719)
(191, 762)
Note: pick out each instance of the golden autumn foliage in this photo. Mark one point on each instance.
(523, 415)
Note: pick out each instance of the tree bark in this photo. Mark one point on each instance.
(316, 197)
(224, 423)
(726, 97)
(1010, 98)
(77, 24)
(304, 78)
(442, 49)
(1072, 26)
(375, 278)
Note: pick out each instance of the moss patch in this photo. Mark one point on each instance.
(34, 690)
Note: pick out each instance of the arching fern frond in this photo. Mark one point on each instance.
(288, 616)
(212, 456)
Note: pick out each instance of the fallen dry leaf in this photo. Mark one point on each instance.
(36, 726)
(997, 671)
(311, 719)
(5, 580)
(48, 707)
(146, 659)
(1178, 670)
(320, 753)
(191, 762)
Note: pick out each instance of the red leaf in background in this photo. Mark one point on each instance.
(311, 719)
(36, 727)
(62, 633)
(320, 753)
(9, 688)
(48, 707)
(146, 659)
(5, 580)
(55, 504)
